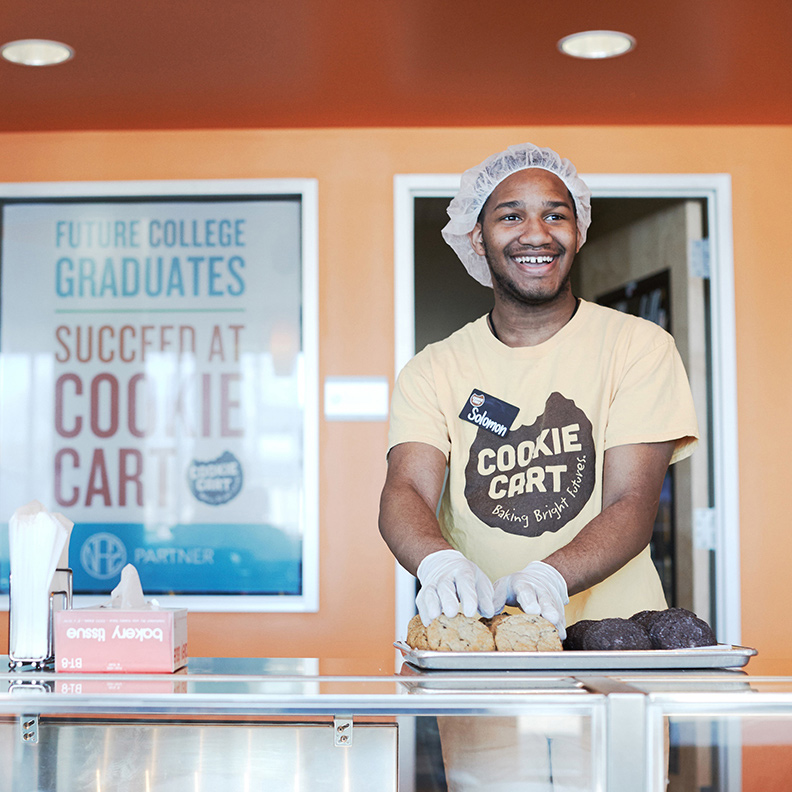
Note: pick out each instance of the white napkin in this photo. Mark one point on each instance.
(128, 594)
(38, 545)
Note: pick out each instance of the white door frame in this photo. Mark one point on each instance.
(716, 189)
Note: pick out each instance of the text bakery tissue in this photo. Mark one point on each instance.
(127, 635)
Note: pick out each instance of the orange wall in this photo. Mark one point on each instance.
(355, 171)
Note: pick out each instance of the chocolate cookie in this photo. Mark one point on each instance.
(615, 635)
(645, 617)
(575, 633)
(677, 628)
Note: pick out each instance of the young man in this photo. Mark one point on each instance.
(554, 418)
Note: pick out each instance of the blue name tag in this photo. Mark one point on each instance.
(489, 413)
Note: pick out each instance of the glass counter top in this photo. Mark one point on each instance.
(286, 686)
(291, 686)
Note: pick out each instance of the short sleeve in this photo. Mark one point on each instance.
(652, 402)
(415, 414)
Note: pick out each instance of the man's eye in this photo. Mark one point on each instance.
(510, 217)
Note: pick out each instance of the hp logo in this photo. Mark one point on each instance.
(103, 555)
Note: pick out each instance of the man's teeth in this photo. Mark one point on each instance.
(533, 259)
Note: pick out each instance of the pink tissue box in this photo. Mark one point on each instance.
(110, 640)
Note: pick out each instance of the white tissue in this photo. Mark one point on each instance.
(63, 561)
(38, 544)
(128, 594)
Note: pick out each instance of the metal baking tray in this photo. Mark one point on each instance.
(720, 656)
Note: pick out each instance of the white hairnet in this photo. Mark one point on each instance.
(478, 183)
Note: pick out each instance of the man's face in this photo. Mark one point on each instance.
(528, 234)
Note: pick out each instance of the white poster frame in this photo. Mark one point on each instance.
(228, 189)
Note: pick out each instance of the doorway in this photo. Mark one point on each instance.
(660, 245)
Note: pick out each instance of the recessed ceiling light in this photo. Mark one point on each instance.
(36, 52)
(596, 44)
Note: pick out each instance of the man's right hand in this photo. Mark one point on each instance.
(539, 589)
(450, 583)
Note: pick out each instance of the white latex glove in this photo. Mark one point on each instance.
(540, 589)
(450, 582)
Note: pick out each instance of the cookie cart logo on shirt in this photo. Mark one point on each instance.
(539, 477)
(216, 481)
(488, 413)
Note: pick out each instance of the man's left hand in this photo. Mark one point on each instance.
(539, 589)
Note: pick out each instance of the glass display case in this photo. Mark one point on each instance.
(310, 724)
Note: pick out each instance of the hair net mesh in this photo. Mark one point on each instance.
(478, 183)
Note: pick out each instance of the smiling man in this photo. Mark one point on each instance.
(555, 420)
(544, 431)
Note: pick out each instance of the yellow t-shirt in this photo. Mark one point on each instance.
(525, 431)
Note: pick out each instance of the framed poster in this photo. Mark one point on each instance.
(159, 385)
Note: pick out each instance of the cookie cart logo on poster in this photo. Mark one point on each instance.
(216, 481)
(534, 479)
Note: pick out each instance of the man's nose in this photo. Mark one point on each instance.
(534, 232)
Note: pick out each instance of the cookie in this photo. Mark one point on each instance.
(645, 617)
(677, 628)
(615, 635)
(523, 632)
(416, 633)
(459, 634)
(575, 633)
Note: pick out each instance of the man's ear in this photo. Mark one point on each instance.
(476, 239)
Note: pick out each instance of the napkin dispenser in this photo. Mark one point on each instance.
(40, 653)
(40, 583)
